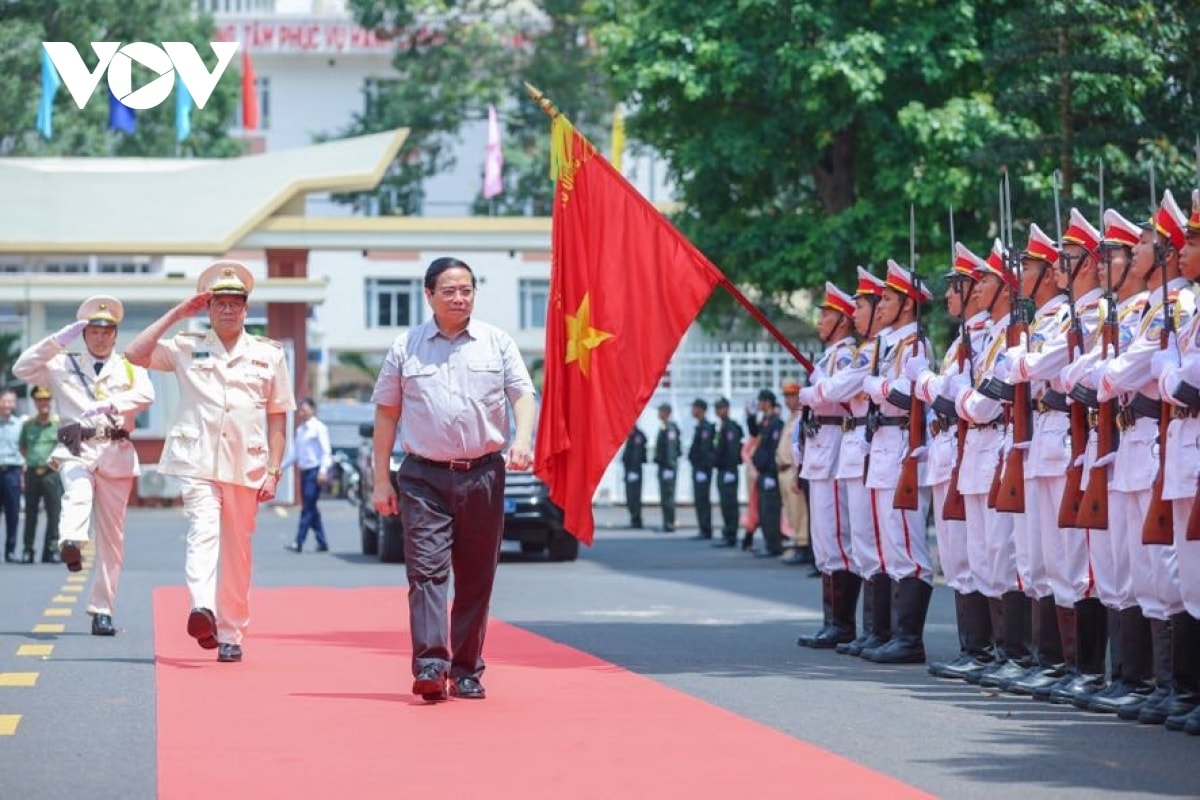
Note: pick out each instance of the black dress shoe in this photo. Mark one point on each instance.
(467, 689)
(10, 557)
(69, 551)
(102, 625)
(27, 557)
(202, 626)
(725, 543)
(322, 548)
(430, 683)
(768, 553)
(295, 548)
(229, 653)
(699, 536)
(50, 557)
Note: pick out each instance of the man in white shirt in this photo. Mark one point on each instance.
(312, 455)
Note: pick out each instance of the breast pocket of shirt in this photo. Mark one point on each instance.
(485, 381)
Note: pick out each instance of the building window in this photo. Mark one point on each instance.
(123, 268)
(535, 298)
(394, 303)
(262, 85)
(64, 266)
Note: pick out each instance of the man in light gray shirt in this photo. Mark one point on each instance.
(11, 466)
(446, 384)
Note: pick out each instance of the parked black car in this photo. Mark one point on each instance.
(529, 516)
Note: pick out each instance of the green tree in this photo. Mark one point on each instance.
(25, 24)
(452, 60)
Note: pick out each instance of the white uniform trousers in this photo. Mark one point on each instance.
(1027, 546)
(990, 548)
(865, 545)
(221, 522)
(829, 524)
(1188, 557)
(902, 536)
(1153, 571)
(1064, 550)
(95, 500)
(951, 537)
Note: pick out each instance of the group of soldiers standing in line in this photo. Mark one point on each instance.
(778, 503)
(1061, 455)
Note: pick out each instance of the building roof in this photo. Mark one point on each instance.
(174, 206)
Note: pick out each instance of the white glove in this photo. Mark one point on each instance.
(98, 407)
(808, 396)
(1021, 445)
(920, 453)
(701, 477)
(1191, 371)
(1104, 461)
(729, 477)
(1002, 369)
(914, 366)
(1080, 461)
(69, 333)
(873, 385)
(769, 483)
(953, 385)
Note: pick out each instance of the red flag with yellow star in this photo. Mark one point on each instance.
(624, 287)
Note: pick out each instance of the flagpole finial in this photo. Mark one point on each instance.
(540, 98)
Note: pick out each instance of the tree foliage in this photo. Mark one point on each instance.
(455, 58)
(25, 24)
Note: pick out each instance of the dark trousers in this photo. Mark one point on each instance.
(453, 523)
(770, 513)
(44, 489)
(633, 497)
(702, 492)
(666, 493)
(10, 505)
(727, 491)
(310, 514)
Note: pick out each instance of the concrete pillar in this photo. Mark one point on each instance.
(290, 320)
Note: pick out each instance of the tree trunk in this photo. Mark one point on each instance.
(834, 173)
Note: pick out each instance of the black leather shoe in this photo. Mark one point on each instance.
(467, 689)
(700, 536)
(430, 683)
(796, 559)
(229, 653)
(202, 626)
(10, 557)
(69, 552)
(102, 625)
(27, 557)
(50, 557)
(322, 548)
(724, 543)
(295, 548)
(768, 553)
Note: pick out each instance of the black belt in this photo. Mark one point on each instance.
(39, 471)
(457, 464)
(892, 422)
(1141, 407)
(987, 426)
(7, 467)
(941, 424)
(850, 423)
(830, 420)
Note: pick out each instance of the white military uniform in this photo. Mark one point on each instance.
(218, 446)
(829, 512)
(96, 483)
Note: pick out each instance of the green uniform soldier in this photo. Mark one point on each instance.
(43, 486)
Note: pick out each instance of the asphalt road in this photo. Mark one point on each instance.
(716, 624)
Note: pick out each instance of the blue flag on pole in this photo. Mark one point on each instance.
(183, 110)
(120, 116)
(50, 84)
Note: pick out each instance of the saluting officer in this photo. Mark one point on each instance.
(226, 444)
(727, 458)
(829, 513)
(666, 456)
(702, 457)
(632, 459)
(102, 393)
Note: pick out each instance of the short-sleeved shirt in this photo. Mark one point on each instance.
(38, 439)
(220, 428)
(10, 435)
(451, 391)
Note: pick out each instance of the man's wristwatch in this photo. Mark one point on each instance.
(274, 472)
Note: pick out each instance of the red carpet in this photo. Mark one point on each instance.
(320, 708)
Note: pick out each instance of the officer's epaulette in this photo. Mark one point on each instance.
(272, 342)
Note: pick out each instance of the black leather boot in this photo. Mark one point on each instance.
(878, 598)
(843, 597)
(1185, 668)
(1018, 638)
(999, 632)
(974, 636)
(1160, 640)
(806, 640)
(853, 648)
(1067, 631)
(1091, 637)
(1134, 681)
(908, 645)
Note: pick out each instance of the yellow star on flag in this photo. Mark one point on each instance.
(582, 337)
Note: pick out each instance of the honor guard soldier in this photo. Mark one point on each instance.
(702, 456)
(845, 387)
(43, 487)
(901, 532)
(1045, 464)
(225, 444)
(828, 505)
(632, 459)
(1082, 619)
(1178, 370)
(666, 457)
(98, 394)
(727, 459)
(970, 606)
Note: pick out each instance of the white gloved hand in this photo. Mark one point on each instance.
(1161, 361)
(953, 385)
(69, 333)
(914, 366)
(920, 453)
(808, 396)
(1079, 462)
(769, 483)
(1104, 461)
(1021, 445)
(98, 407)
(873, 385)
(1002, 369)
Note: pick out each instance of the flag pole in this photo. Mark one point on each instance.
(552, 111)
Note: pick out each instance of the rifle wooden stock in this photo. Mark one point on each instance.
(1093, 507)
(1068, 509)
(907, 496)
(1011, 496)
(955, 506)
(994, 492)
(1159, 525)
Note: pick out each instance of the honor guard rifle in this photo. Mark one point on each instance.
(1093, 509)
(1011, 497)
(907, 496)
(1159, 525)
(1068, 510)
(955, 507)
